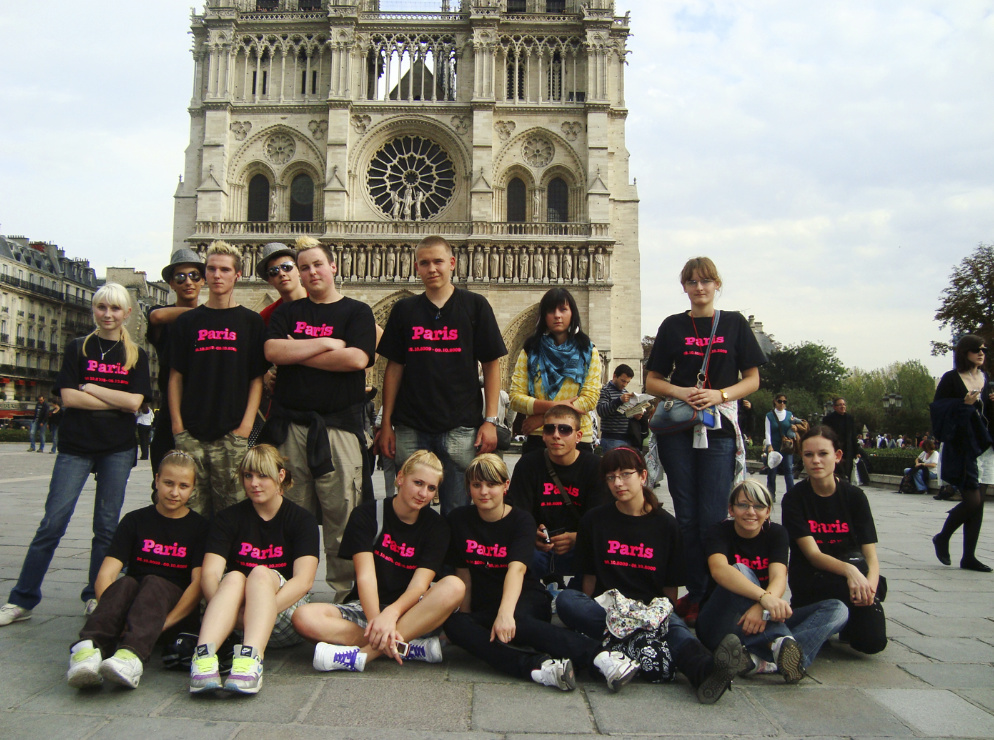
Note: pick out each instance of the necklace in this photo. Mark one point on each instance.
(103, 351)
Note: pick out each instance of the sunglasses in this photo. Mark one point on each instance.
(564, 429)
(275, 270)
(982, 350)
(781, 400)
(180, 277)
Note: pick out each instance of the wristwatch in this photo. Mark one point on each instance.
(492, 420)
(724, 395)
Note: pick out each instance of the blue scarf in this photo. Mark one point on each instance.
(556, 363)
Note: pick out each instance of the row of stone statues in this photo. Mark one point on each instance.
(474, 263)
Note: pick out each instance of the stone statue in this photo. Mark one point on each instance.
(581, 266)
(462, 264)
(391, 264)
(408, 201)
(347, 263)
(537, 206)
(537, 272)
(568, 266)
(523, 266)
(405, 265)
(397, 204)
(553, 266)
(599, 265)
(508, 265)
(419, 199)
(360, 264)
(494, 264)
(377, 263)
(272, 205)
(478, 264)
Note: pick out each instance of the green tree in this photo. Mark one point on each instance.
(811, 367)
(864, 392)
(966, 305)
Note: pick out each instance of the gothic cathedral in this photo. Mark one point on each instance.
(499, 124)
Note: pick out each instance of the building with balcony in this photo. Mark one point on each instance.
(44, 302)
(499, 124)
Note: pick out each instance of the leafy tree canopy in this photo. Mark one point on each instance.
(966, 305)
(814, 368)
(864, 392)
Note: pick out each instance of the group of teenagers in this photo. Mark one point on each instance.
(237, 526)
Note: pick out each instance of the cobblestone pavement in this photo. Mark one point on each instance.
(935, 679)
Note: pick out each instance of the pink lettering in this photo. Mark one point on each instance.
(216, 334)
(273, 551)
(105, 367)
(302, 327)
(494, 551)
(445, 334)
(401, 548)
(836, 527)
(637, 551)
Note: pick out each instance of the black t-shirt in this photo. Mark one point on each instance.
(301, 388)
(487, 548)
(246, 540)
(158, 337)
(400, 549)
(840, 524)
(439, 348)
(678, 351)
(150, 544)
(769, 546)
(532, 489)
(84, 432)
(638, 555)
(219, 353)
(41, 411)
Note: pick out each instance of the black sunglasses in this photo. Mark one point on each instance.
(180, 277)
(781, 400)
(285, 267)
(564, 429)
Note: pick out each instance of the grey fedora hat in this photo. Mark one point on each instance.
(184, 256)
(273, 249)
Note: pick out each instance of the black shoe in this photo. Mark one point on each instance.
(974, 564)
(942, 550)
(730, 659)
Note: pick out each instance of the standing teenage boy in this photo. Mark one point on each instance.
(278, 268)
(215, 382)
(431, 388)
(323, 344)
(185, 276)
(544, 479)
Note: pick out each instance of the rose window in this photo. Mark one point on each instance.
(411, 178)
(280, 148)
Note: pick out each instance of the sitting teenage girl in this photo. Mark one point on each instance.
(833, 553)
(397, 545)
(747, 556)
(632, 545)
(163, 548)
(505, 603)
(269, 547)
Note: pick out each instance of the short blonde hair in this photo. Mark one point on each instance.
(266, 460)
(425, 458)
(116, 295)
(487, 468)
(222, 247)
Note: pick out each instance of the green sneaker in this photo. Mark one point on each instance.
(124, 668)
(84, 665)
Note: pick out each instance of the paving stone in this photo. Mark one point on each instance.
(167, 729)
(535, 708)
(953, 675)
(951, 649)
(804, 711)
(279, 700)
(22, 680)
(982, 697)
(949, 627)
(642, 708)
(936, 713)
(307, 732)
(28, 726)
(391, 704)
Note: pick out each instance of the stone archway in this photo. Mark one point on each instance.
(520, 328)
(381, 312)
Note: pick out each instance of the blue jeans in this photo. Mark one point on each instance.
(55, 439)
(454, 448)
(810, 625)
(919, 477)
(35, 427)
(786, 469)
(699, 482)
(68, 477)
(608, 444)
(549, 564)
(581, 613)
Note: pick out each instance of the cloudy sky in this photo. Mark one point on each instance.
(834, 159)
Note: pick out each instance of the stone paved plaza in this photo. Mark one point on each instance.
(935, 679)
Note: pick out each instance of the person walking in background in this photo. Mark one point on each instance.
(103, 380)
(842, 423)
(964, 402)
(39, 424)
(614, 425)
(778, 429)
(54, 420)
(700, 464)
(144, 419)
(558, 365)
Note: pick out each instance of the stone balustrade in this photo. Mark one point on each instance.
(401, 229)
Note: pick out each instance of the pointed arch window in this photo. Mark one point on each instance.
(302, 198)
(516, 201)
(557, 194)
(258, 198)
(515, 77)
(556, 77)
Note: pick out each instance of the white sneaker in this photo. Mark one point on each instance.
(425, 650)
(246, 671)
(556, 672)
(89, 607)
(788, 656)
(10, 613)
(123, 667)
(328, 657)
(84, 665)
(617, 668)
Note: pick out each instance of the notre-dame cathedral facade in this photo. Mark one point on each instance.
(499, 124)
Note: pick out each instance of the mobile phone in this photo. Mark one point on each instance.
(545, 531)
(403, 648)
(555, 532)
(766, 615)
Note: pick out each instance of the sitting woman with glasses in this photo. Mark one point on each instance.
(747, 556)
(634, 546)
(778, 429)
(961, 416)
(558, 365)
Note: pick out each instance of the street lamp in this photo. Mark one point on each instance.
(892, 402)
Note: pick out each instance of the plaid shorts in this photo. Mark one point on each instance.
(352, 611)
(284, 635)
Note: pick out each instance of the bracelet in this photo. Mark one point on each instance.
(765, 593)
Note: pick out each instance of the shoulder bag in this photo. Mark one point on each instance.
(673, 415)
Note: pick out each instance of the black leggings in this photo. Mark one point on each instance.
(532, 629)
(968, 513)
